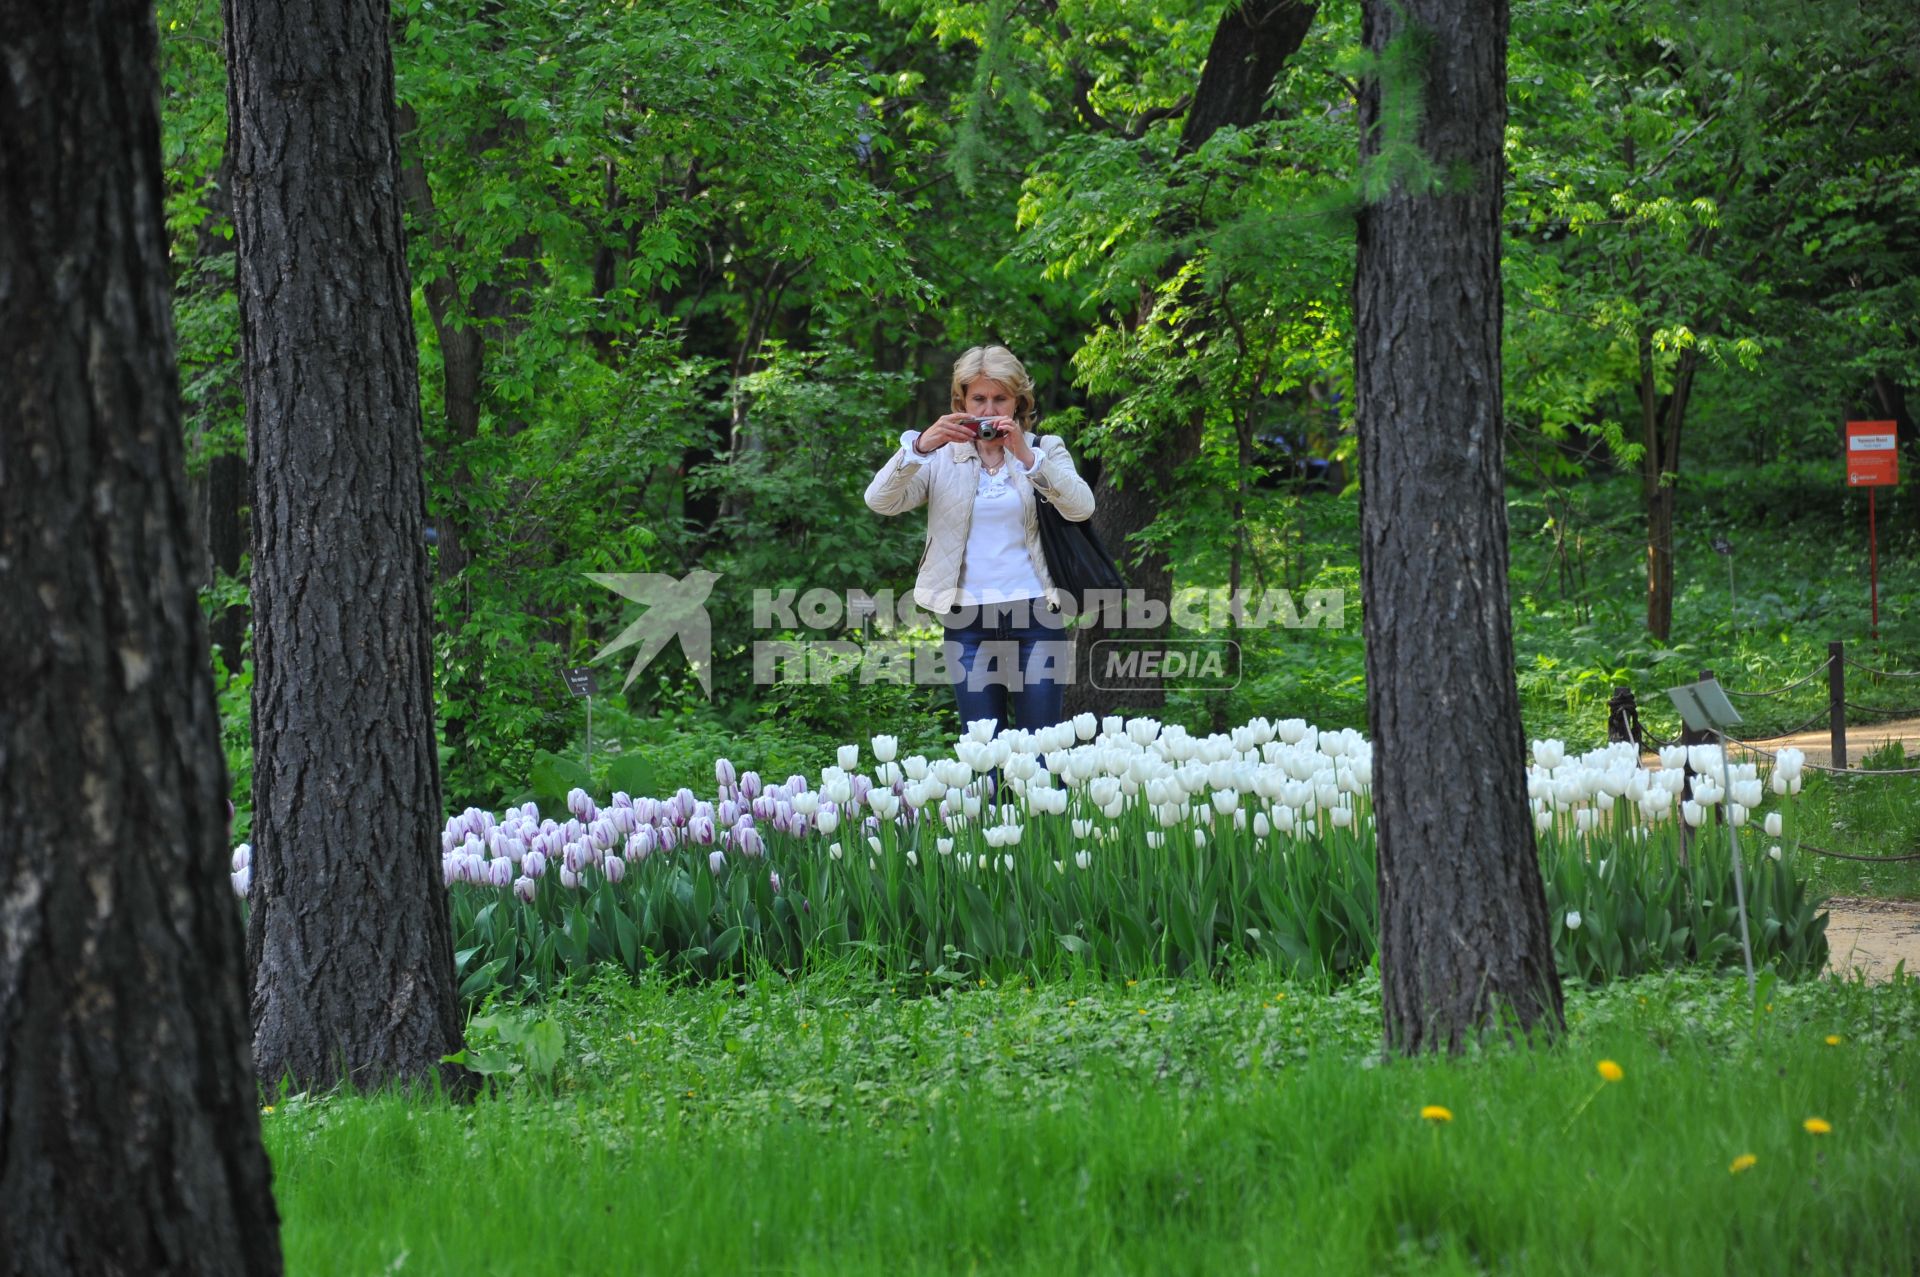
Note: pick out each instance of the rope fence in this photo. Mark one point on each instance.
(1865, 669)
(1849, 855)
(1778, 691)
(1623, 715)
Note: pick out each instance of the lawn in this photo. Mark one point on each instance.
(839, 1125)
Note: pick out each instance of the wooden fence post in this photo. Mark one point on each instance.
(1837, 700)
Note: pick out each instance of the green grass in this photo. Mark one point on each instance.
(836, 1126)
(1863, 815)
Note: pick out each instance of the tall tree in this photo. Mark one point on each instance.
(348, 941)
(1463, 926)
(1251, 44)
(129, 1134)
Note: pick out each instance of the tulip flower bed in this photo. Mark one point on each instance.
(1127, 848)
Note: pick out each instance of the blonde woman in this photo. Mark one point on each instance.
(978, 470)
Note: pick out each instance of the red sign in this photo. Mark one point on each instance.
(1873, 455)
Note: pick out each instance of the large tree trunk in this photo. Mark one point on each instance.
(348, 941)
(129, 1126)
(1463, 916)
(1250, 45)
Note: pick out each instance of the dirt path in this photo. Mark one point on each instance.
(1873, 936)
(1861, 740)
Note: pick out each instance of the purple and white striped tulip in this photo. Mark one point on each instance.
(525, 888)
(614, 868)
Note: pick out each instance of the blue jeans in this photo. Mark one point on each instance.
(1005, 656)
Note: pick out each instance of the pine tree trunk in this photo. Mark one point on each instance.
(1463, 925)
(129, 1122)
(348, 942)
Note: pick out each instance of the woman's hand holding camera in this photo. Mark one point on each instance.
(961, 427)
(955, 427)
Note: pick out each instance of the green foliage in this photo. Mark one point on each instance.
(830, 1125)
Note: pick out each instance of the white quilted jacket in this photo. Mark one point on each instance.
(946, 484)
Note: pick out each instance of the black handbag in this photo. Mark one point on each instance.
(1076, 560)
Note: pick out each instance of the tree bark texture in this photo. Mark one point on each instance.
(348, 942)
(1463, 926)
(1251, 44)
(129, 1123)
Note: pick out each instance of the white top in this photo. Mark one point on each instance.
(996, 567)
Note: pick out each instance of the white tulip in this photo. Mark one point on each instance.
(1543, 821)
(1199, 837)
(1084, 859)
(827, 821)
(1549, 753)
(1006, 863)
(944, 845)
(1340, 816)
(1773, 824)
(1774, 851)
(1261, 825)
(1736, 815)
(1693, 813)
(885, 748)
(835, 851)
(1573, 920)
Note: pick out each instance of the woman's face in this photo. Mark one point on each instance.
(985, 397)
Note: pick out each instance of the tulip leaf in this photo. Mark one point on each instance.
(630, 774)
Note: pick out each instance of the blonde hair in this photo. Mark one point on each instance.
(995, 363)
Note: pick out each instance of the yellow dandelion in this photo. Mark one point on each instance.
(1610, 1071)
(1744, 1162)
(1437, 1113)
(1131, 983)
(265, 1109)
(1073, 1002)
(1833, 1039)
(1818, 1126)
(1143, 1010)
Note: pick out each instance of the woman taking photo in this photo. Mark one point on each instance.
(978, 470)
